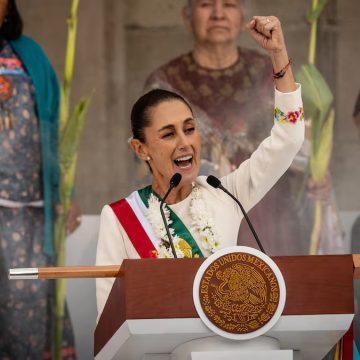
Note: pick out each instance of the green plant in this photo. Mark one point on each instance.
(70, 132)
(318, 101)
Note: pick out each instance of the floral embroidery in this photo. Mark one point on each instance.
(291, 117)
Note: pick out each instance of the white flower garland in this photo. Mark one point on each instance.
(156, 221)
(201, 221)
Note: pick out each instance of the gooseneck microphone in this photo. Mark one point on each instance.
(216, 183)
(174, 182)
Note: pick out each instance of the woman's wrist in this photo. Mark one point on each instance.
(282, 66)
(279, 59)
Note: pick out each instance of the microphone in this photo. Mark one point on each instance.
(216, 183)
(174, 182)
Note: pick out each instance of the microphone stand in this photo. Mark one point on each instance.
(246, 218)
(174, 181)
(216, 183)
(165, 222)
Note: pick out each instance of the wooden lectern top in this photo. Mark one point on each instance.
(162, 288)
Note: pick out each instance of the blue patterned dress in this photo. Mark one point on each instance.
(25, 306)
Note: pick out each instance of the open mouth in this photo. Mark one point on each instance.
(184, 162)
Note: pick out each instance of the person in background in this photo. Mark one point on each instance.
(229, 88)
(29, 177)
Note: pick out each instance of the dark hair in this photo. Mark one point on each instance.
(12, 25)
(140, 118)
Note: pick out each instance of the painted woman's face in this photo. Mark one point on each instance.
(216, 21)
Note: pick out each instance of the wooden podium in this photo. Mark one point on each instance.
(150, 308)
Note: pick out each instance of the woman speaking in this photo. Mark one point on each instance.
(201, 219)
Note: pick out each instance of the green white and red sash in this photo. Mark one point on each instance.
(132, 211)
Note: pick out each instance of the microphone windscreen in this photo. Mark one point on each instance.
(175, 180)
(213, 181)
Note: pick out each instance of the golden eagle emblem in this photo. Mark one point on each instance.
(239, 294)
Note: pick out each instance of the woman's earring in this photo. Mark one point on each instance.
(148, 158)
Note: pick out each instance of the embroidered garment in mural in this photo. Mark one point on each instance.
(25, 306)
(234, 108)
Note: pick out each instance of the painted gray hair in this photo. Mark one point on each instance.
(190, 4)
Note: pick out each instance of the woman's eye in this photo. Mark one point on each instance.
(190, 130)
(167, 135)
(231, 4)
(205, 4)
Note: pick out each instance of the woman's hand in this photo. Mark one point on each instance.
(267, 32)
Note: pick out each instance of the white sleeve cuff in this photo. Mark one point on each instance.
(289, 101)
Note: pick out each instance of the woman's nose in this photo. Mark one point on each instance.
(218, 10)
(183, 142)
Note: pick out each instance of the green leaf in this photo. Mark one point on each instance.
(315, 13)
(71, 135)
(320, 159)
(317, 98)
(316, 93)
(64, 107)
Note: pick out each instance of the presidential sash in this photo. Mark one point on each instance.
(131, 212)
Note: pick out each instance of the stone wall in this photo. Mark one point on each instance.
(120, 42)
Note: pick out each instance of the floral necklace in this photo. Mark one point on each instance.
(201, 221)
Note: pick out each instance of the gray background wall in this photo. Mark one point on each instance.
(120, 42)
